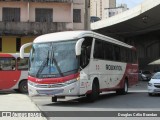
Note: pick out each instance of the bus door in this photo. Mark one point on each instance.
(9, 76)
(84, 63)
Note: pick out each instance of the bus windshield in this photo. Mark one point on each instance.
(54, 59)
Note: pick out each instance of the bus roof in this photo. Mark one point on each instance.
(70, 35)
(61, 36)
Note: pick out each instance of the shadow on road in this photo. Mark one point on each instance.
(111, 100)
(7, 92)
(84, 101)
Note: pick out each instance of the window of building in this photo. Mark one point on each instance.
(11, 14)
(44, 15)
(76, 15)
(0, 44)
(18, 44)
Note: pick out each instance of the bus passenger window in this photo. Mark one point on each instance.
(85, 52)
(123, 54)
(22, 64)
(117, 53)
(1, 67)
(7, 63)
(98, 49)
(108, 51)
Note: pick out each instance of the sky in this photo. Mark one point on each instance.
(130, 3)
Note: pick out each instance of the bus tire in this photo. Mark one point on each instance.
(95, 92)
(23, 86)
(150, 94)
(17, 90)
(124, 90)
(54, 99)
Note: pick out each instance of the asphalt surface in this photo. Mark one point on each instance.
(16, 106)
(136, 100)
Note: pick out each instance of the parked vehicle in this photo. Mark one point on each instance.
(154, 84)
(94, 19)
(13, 72)
(145, 75)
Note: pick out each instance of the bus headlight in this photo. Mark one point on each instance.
(70, 81)
(78, 78)
(32, 83)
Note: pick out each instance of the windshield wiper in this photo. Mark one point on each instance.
(45, 62)
(56, 64)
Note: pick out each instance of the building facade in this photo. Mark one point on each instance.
(109, 12)
(98, 7)
(23, 20)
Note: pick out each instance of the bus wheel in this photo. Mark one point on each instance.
(54, 99)
(95, 92)
(150, 94)
(124, 90)
(17, 90)
(23, 87)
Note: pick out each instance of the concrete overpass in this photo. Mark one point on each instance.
(140, 27)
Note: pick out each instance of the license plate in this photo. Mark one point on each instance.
(157, 90)
(50, 92)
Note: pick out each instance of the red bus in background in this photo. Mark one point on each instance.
(13, 72)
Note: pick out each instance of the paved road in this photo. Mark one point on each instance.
(136, 100)
(16, 106)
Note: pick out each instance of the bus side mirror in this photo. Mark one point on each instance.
(22, 49)
(78, 46)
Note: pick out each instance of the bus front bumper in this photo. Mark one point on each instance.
(52, 90)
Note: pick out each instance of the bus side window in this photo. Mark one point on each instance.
(88, 48)
(108, 51)
(1, 67)
(123, 54)
(117, 53)
(134, 57)
(86, 52)
(22, 64)
(129, 55)
(98, 49)
(7, 63)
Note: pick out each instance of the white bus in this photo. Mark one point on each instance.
(13, 72)
(78, 63)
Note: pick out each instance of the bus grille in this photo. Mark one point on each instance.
(157, 85)
(50, 85)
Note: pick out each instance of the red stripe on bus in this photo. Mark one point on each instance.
(5, 55)
(53, 80)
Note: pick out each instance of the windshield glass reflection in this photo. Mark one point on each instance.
(53, 59)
